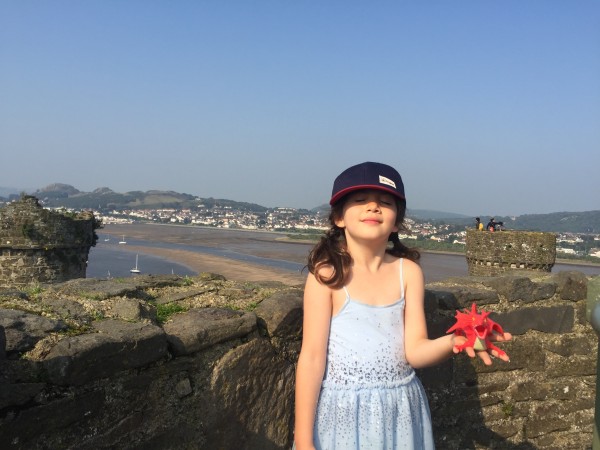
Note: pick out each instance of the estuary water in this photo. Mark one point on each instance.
(109, 258)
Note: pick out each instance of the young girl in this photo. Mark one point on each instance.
(364, 325)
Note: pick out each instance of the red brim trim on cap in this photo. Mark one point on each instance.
(340, 194)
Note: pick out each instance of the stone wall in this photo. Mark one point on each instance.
(42, 246)
(544, 397)
(497, 253)
(97, 364)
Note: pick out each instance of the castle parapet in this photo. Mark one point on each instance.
(496, 253)
(42, 246)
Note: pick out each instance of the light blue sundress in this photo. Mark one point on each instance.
(370, 397)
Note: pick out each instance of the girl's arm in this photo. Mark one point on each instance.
(420, 350)
(311, 362)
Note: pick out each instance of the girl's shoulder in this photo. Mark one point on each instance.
(406, 262)
(409, 263)
(315, 284)
(410, 268)
(317, 292)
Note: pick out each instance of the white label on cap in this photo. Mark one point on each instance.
(384, 180)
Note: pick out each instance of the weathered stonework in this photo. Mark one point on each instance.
(497, 253)
(42, 246)
(79, 370)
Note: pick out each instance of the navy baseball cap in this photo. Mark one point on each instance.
(367, 175)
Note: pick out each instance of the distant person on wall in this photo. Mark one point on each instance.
(491, 226)
(478, 224)
(364, 328)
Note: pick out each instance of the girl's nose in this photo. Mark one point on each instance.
(373, 205)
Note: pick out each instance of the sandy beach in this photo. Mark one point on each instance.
(436, 265)
(201, 262)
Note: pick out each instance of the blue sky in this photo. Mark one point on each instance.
(485, 108)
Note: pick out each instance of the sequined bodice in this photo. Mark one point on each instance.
(366, 346)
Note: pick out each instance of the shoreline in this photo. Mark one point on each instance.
(230, 268)
(199, 262)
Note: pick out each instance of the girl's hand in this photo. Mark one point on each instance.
(485, 355)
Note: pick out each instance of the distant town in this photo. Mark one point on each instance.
(184, 209)
(428, 235)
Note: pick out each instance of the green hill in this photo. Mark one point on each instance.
(105, 199)
(63, 195)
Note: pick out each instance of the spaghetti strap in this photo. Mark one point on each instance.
(401, 279)
(346, 291)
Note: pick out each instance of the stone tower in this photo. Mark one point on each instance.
(42, 246)
(496, 253)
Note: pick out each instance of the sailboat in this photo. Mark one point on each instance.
(135, 269)
(123, 241)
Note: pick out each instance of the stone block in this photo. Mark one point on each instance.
(543, 291)
(567, 345)
(469, 407)
(436, 376)
(12, 395)
(183, 388)
(522, 289)
(568, 388)
(440, 298)
(281, 314)
(201, 328)
(572, 285)
(537, 426)
(523, 353)
(24, 370)
(115, 347)
(60, 414)
(513, 288)
(572, 366)
(564, 440)
(549, 319)
(178, 296)
(439, 326)
(459, 297)
(522, 409)
(65, 307)
(488, 385)
(529, 390)
(506, 429)
(250, 383)
(130, 309)
(431, 303)
(23, 330)
(491, 398)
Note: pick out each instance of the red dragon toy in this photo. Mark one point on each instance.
(477, 328)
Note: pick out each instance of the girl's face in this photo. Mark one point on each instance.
(369, 213)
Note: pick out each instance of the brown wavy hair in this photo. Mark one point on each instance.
(331, 250)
